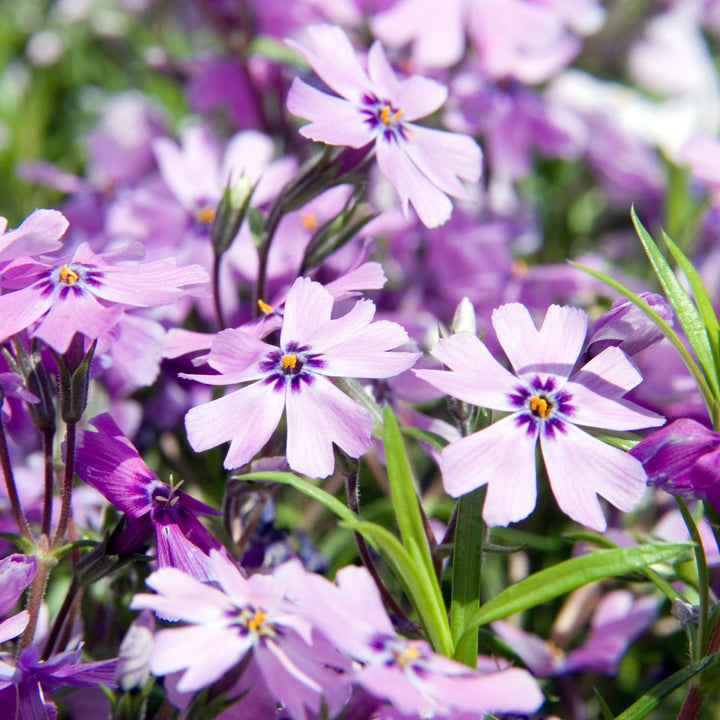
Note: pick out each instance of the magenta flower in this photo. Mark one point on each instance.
(26, 687)
(294, 378)
(108, 461)
(683, 459)
(242, 616)
(424, 165)
(546, 401)
(86, 295)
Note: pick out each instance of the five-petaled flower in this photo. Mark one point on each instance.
(294, 377)
(423, 164)
(546, 401)
(86, 294)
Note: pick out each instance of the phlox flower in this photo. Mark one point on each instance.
(26, 686)
(405, 673)
(546, 401)
(618, 619)
(294, 377)
(16, 573)
(39, 232)
(683, 459)
(87, 294)
(424, 165)
(108, 461)
(241, 616)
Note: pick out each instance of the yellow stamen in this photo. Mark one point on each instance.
(540, 406)
(68, 275)
(398, 114)
(265, 308)
(309, 221)
(411, 652)
(256, 621)
(289, 361)
(385, 114)
(206, 214)
(555, 651)
(519, 268)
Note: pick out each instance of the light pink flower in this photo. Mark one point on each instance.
(546, 401)
(424, 165)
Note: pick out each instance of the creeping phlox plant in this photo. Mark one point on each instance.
(343, 380)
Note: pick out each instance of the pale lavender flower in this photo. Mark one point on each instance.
(39, 232)
(618, 619)
(108, 461)
(405, 673)
(424, 165)
(295, 377)
(86, 294)
(546, 401)
(243, 615)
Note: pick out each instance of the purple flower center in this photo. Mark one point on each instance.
(296, 365)
(384, 117)
(542, 406)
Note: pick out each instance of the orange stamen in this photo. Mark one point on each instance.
(289, 361)
(265, 308)
(68, 275)
(540, 406)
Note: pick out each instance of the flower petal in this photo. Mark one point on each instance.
(431, 204)
(307, 307)
(501, 456)
(476, 376)
(332, 120)
(318, 415)
(246, 417)
(552, 351)
(580, 467)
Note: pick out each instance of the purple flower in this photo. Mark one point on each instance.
(294, 377)
(241, 616)
(424, 165)
(546, 402)
(108, 461)
(627, 327)
(683, 459)
(25, 687)
(16, 573)
(86, 295)
(618, 619)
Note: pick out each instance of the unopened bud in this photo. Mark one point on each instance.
(464, 318)
(230, 213)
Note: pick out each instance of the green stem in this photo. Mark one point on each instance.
(703, 579)
(466, 570)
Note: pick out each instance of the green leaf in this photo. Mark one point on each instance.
(417, 584)
(697, 374)
(567, 576)
(685, 309)
(704, 306)
(604, 709)
(404, 496)
(412, 529)
(430, 438)
(306, 487)
(601, 541)
(648, 702)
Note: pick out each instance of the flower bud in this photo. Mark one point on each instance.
(230, 213)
